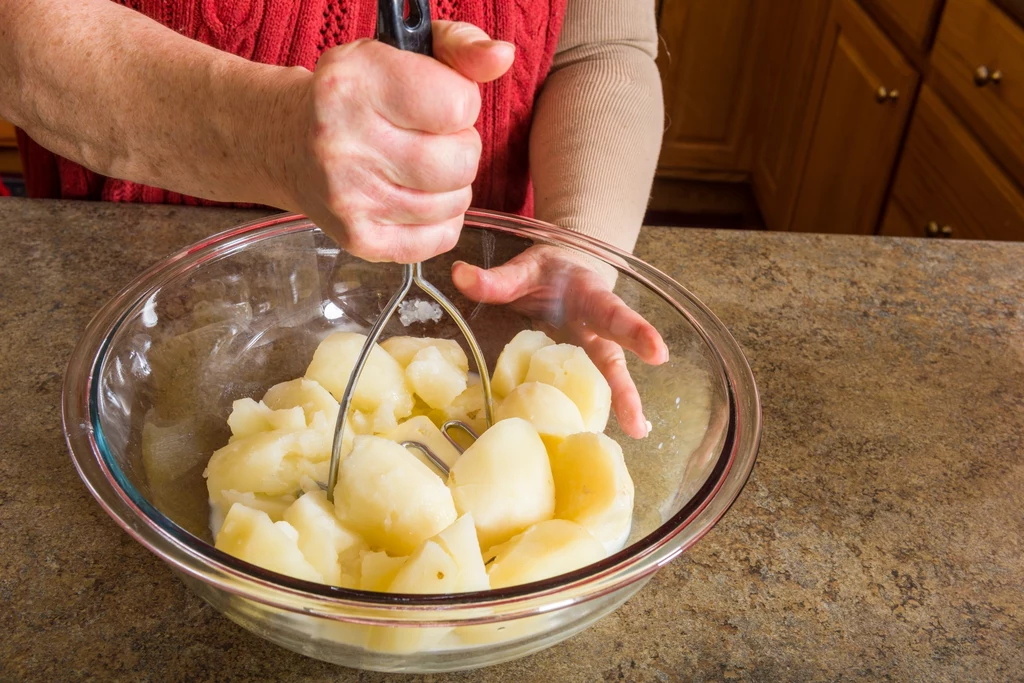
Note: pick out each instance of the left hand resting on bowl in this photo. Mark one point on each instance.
(571, 302)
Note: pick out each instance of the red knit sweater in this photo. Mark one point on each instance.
(296, 33)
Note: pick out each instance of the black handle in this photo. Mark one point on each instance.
(412, 33)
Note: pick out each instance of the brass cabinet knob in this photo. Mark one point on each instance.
(933, 229)
(983, 76)
(883, 95)
(946, 231)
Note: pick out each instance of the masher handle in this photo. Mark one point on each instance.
(411, 33)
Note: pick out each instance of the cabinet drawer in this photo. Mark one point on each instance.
(946, 178)
(978, 65)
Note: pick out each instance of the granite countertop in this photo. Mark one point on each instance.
(881, 534)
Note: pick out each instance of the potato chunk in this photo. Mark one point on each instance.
(389, 497)
(434, 378)
(378, 570)
(504, 480)
(249, 417)
(268, 463)
(551, 412)
(326, 543)
(544, 550)
(593, 487)
(460, 542)
(250, 535)
(568, 368)
(306, 394)
(514, 361)
(381, 390)
(403, 349)
(421, 429)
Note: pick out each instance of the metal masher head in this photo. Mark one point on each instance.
(412, 275)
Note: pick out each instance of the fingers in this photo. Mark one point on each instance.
(398, 243)
(470, 51)
(611, 361)
(499, 285)
(417, 92)
(611, 318)
(431, 163)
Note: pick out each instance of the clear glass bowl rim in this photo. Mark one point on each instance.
(195, 557)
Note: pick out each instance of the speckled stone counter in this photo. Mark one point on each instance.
(881, 535)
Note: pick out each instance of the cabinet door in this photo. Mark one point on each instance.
(706, 60)
(866, 89)
(914, 19)
(793, 31)
(9, 162)
(947, 181)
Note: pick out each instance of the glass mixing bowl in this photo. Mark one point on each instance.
(151, 383)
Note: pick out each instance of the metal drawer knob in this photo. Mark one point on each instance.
(983, 76)
(883, 95)
(933, 229)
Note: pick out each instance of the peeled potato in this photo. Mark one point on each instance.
(403, 349)
(325, 542)
(429, 570)
(268, 463)
(551, 412)
(378, 570)
(434, 378)
(468, 407)
(593, 487)
(250, 535)
(460, 542)
(274, 506)
(421, 429)
(568, 368)
(514, 360)
(249, 417)
(389, 497)
(504, 480)
(381, 385)
(306, 394)
(544, 550)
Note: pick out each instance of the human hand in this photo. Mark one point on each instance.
(383, 150)
(571, 302)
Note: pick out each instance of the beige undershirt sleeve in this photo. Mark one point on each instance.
(597, 123)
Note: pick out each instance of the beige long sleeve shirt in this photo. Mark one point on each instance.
(598, 121)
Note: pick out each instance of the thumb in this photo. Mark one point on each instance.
(499, 285)
(470, 51)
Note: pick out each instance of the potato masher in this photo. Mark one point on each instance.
(411, 33)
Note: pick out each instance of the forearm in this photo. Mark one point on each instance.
(598, 123)
(126, 97)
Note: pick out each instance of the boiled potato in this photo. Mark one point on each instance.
(306, 394)
(593, 487)
(389, 497)
(250, 535)
(403, 349)
(429, 570)
(378, 570)
(468, 407)
(568, 368)
(460, 542)
(547, 549)
(504, 480)
(249, 417)
(381, 385)
(326, 543)
(268, 463)
(424, 431)
(274, 506)
(514, 360)
(434, 378)
(552, 413)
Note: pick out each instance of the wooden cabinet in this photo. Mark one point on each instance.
(706, 62)
(947, 185)
(912, 22)
(859, 103)
(9, 162)
(793, 32)
(978, 66)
